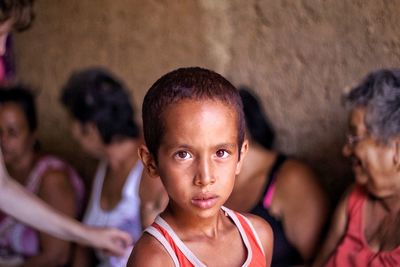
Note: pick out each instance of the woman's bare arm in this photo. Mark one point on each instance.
(153, 198)
(26, 207)
(305, 207)
(335, 234)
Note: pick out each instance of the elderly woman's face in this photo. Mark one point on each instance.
(375, 165)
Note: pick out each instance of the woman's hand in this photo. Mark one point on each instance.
(112, 240)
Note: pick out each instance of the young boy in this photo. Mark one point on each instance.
(194, 131)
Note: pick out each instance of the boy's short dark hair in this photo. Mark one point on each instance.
(22, 96)
(186, 83)
(94, 95)
(21, 11)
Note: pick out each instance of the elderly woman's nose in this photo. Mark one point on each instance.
(346, 150)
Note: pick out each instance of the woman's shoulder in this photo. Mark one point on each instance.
(298, 186)
(295, 169)
(52, 172)
(298, 178)
(47, 164)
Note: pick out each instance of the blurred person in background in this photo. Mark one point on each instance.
(23, 205)
(102, 121)
(280, 189)
(47, 176)
(14, 16)
(366, 226)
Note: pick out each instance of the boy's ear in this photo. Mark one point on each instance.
(148, 161)
(243, 152)
(396, 157)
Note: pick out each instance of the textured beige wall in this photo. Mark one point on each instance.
(298, 55)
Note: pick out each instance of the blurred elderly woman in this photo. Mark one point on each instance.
(366, 226)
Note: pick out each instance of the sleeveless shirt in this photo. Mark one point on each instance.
(183, 257)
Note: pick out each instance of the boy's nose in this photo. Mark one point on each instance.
(204, 175)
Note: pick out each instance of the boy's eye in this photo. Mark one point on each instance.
(182, 155)
(222, 154)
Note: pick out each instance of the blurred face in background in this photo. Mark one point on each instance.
(16, 139)
(375, 164)
(5, 29)
(88, 137)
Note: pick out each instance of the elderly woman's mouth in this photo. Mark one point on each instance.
(355, 162)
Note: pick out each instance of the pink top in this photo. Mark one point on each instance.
(2, 70)
(354, 249)
(270, 193)
(183, 257)
(18, 240)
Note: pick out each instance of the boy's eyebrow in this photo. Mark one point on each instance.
(175, 146)
(186, 146)
(230, 145)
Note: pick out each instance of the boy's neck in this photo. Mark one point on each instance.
(190, 226)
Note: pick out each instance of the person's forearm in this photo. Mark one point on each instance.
(26, 207)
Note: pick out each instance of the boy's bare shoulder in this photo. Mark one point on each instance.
(261, 226)
(264, 232)
(148, 251)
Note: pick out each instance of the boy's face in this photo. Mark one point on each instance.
(198, 158)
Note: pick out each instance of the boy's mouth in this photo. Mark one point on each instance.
(204, 201)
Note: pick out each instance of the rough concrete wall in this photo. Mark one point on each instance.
(301, 56)
(298, 56)
(137, 40)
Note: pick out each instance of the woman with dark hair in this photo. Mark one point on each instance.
(366, 226)
(103, 123)
(282, 190)
(47, 176)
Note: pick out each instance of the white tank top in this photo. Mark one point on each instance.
(125, 215)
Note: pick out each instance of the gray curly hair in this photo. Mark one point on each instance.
(379, 93)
